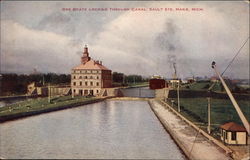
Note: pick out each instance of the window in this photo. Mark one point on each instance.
(233, 136)
(80, 83)
(97, 91)
(74, 77)
(91, 83)
(74, 91)
(85, 92)
(91, 77)
(86, 83)
(97, 77)
(225, 135)
(80, 77)
(74, 84)
(97, 83)
(86, 77)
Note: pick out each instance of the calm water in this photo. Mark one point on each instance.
(109, 129)
(139, 92)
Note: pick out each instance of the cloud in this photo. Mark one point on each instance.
(23, 49)
(144, 43)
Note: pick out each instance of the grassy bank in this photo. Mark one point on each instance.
(222, 111)
(142, 84)
(41, 105)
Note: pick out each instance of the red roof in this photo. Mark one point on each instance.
(91, 64)
(231, 126)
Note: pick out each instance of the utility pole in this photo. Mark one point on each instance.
(49, 93)
(178, 96)
(208, 113)
(43, 80)
(235, 104)
(72, 93)
(172, 101)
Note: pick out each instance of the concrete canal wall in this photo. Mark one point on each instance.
(194, 142)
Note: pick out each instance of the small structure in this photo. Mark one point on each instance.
(157, 82)
(214, 79)
(233, 133)
(37, 89)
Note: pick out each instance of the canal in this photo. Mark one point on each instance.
(107, 130)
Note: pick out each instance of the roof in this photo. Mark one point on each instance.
(91, 64)
(232, 126)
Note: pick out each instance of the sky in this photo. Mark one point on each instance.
(46, 37)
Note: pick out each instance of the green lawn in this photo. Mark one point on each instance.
(199, 86)
(40, 104)
(138, 84)
(222, 111)
(203, 86)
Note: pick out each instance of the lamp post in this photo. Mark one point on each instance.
(178, 96)
(208, 115)
(235, 104)
(172, 101)
(49, 93)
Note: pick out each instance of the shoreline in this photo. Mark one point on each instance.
(20, 115)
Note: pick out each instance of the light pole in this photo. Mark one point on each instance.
(178, 96)
(235, 104)
(49, 93)
(172, 101)
(208, 115)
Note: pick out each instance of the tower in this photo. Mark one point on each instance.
(85, 58)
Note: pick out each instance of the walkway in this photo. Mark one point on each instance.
(185, 136)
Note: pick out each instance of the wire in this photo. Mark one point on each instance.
(235, 56)
(194, 142)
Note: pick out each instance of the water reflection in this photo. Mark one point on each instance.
(110, 129)
(139, 92)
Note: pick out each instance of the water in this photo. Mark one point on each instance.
(109, 129)
(139, 92)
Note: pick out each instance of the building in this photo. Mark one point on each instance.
(37, 89)
(233, 133)
(157, 82)
(214, 79)
(90, 77)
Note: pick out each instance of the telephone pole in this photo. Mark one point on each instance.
(178, 96)
(49, 93)
(208, 114)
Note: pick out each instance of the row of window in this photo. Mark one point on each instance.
(86, 92)
(86, 71)
(86, 83)
(86, 77)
